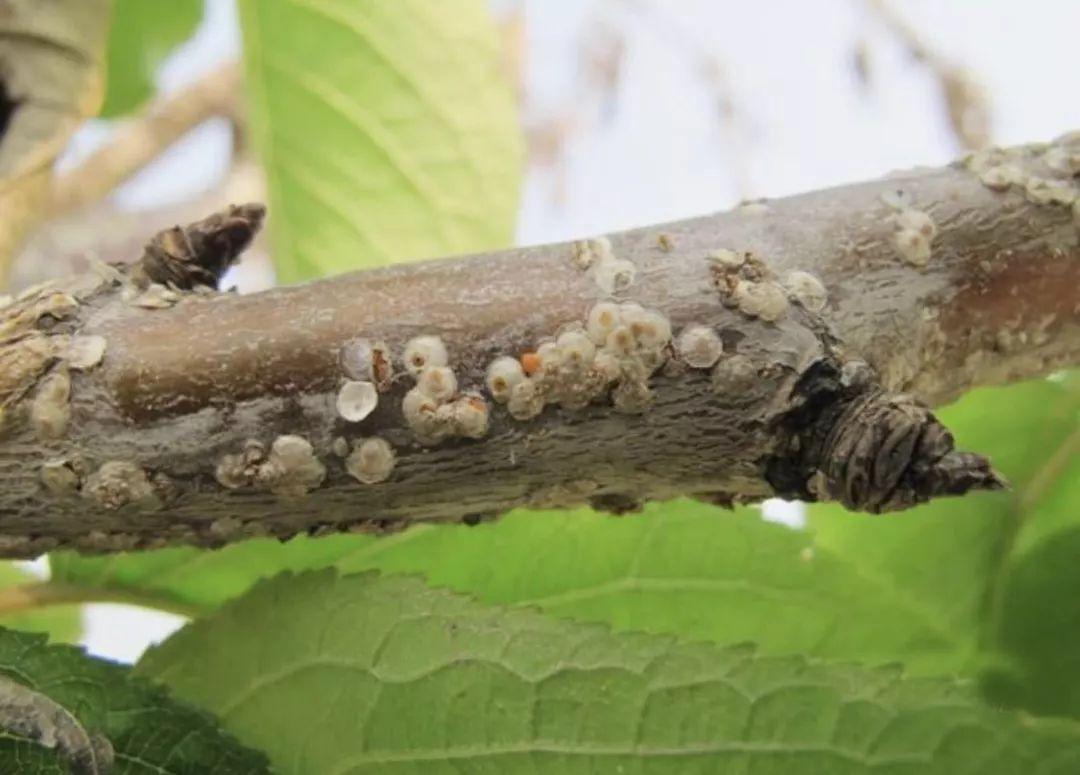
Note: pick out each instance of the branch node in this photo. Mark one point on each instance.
(871, 450)
(198, 254)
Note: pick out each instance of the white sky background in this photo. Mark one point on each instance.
(801, 121)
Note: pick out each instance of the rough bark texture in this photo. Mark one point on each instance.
(194, 423)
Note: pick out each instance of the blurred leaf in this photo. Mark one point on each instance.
(60, 623)
(50, 80)
(386, 130)
(411, 679)
(142, 34)
(683, 568)
(680, 567)
(194, 581)
(148, 731)
(993, 569)
(1036, 609)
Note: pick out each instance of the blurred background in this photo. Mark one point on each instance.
(638, 111)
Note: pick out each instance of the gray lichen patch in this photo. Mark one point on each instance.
(50, 411)
(914, 232)
(117, 483)
(356, 400)
(371, 461)
(807, 290)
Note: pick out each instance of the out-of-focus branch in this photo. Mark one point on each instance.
(140, 140)
(50, 80)
(966, 104)
(68, 243)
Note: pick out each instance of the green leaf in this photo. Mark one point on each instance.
(1035, 618)
(680, 567)
(147, 730)
(60, 623)
(192, 581)
(384, 675)
(386, 130)
(993, 569)
(142, 34)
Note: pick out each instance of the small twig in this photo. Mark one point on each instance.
(139, 141)
(46, 594)
(61, 245)
(965, 101)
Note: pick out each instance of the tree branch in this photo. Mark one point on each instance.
(140, 140)
(137, 415)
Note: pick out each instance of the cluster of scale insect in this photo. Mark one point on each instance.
(746, 283)
(368, 370)
(434, 408)
(613, 352)
(289, 469)
(1045, 173)
(611, 274)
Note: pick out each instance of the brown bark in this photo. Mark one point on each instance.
(936, 280)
